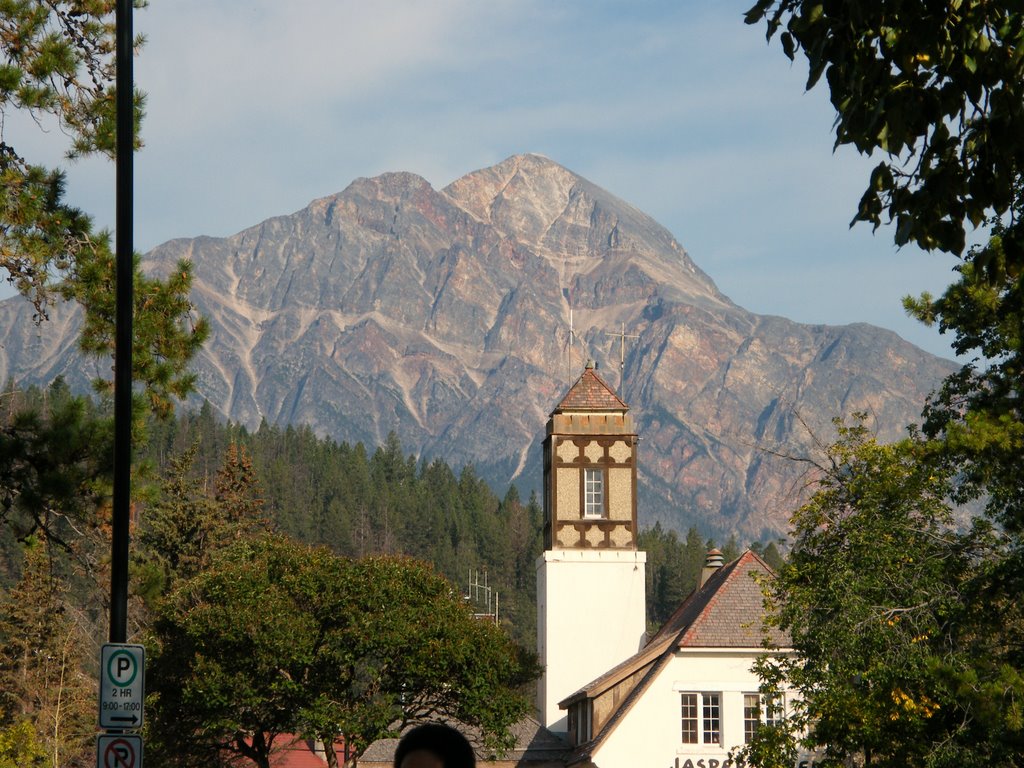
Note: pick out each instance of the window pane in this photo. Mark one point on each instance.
(712, 718)
(689, 701)
(751, 715)
(774, 709)
(593, 492)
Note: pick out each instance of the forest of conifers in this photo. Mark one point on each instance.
(360, 500)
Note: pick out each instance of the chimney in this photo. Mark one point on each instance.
(712, 563)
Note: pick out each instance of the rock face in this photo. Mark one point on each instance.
(445, 316)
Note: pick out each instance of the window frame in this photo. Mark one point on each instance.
(594, 493)
(751, 716)
(581, 722)
(768, 711)
(701, 717)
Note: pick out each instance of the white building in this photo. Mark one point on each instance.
(682, 699)
(590, 578)
(689, 696)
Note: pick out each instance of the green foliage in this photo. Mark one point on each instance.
(673, 570)
(778, 744)
(896, 656)
(770, 554)
(186, 524)
(275, 638)
(55, 458)
(19, 746)
(58, 62)
(359, 503)
(939, 88)
(977, 416)
(56, 453)
(166, 333)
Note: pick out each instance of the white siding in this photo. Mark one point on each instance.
(651, 735)
(590, 617)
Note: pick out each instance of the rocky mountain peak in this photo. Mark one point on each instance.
(390, 186)
(577, 226)
(444, 316)
(523, 194)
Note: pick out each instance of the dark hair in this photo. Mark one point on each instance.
(443, 740)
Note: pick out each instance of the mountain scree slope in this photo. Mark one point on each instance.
(458, 318)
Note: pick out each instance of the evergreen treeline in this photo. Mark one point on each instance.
(361, 501)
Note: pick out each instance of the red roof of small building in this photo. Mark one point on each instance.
(291, 751)
(590, 393)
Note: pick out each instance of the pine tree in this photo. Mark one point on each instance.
(178, 529)
(237, 494)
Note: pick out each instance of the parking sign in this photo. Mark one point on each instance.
(122, 671)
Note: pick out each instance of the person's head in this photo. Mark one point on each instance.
(434, 746)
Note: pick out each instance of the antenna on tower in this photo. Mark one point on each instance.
(622, 348)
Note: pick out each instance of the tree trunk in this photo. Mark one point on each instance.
(258, 751)
(329, 753)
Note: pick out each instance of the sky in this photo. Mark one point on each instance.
(257, 107)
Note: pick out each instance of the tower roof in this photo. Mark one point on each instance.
(590, 393)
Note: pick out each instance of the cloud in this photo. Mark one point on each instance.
(257, 107)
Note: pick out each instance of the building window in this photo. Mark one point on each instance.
(702, 718)
(758, 710)
(712, 718)
(593, 493)
(774, 710)
(751, 715)
(581, 722)
(689, 718)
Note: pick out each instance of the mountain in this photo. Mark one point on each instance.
(445, 316)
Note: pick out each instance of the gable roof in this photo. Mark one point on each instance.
(725, 612)
(590, 393)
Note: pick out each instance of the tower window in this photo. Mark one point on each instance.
(593, 493)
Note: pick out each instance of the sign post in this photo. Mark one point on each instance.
(122, 690)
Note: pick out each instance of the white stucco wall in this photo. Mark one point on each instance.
(590, 617)
(651, 732)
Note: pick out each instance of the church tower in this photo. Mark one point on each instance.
(590, 578)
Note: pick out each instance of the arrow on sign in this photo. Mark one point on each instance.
(118, 719)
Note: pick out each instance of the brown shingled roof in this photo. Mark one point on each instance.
(590, 393)
(727, 611)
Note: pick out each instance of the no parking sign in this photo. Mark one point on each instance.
(118, 751)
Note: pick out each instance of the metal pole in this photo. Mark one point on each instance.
(124, 253)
